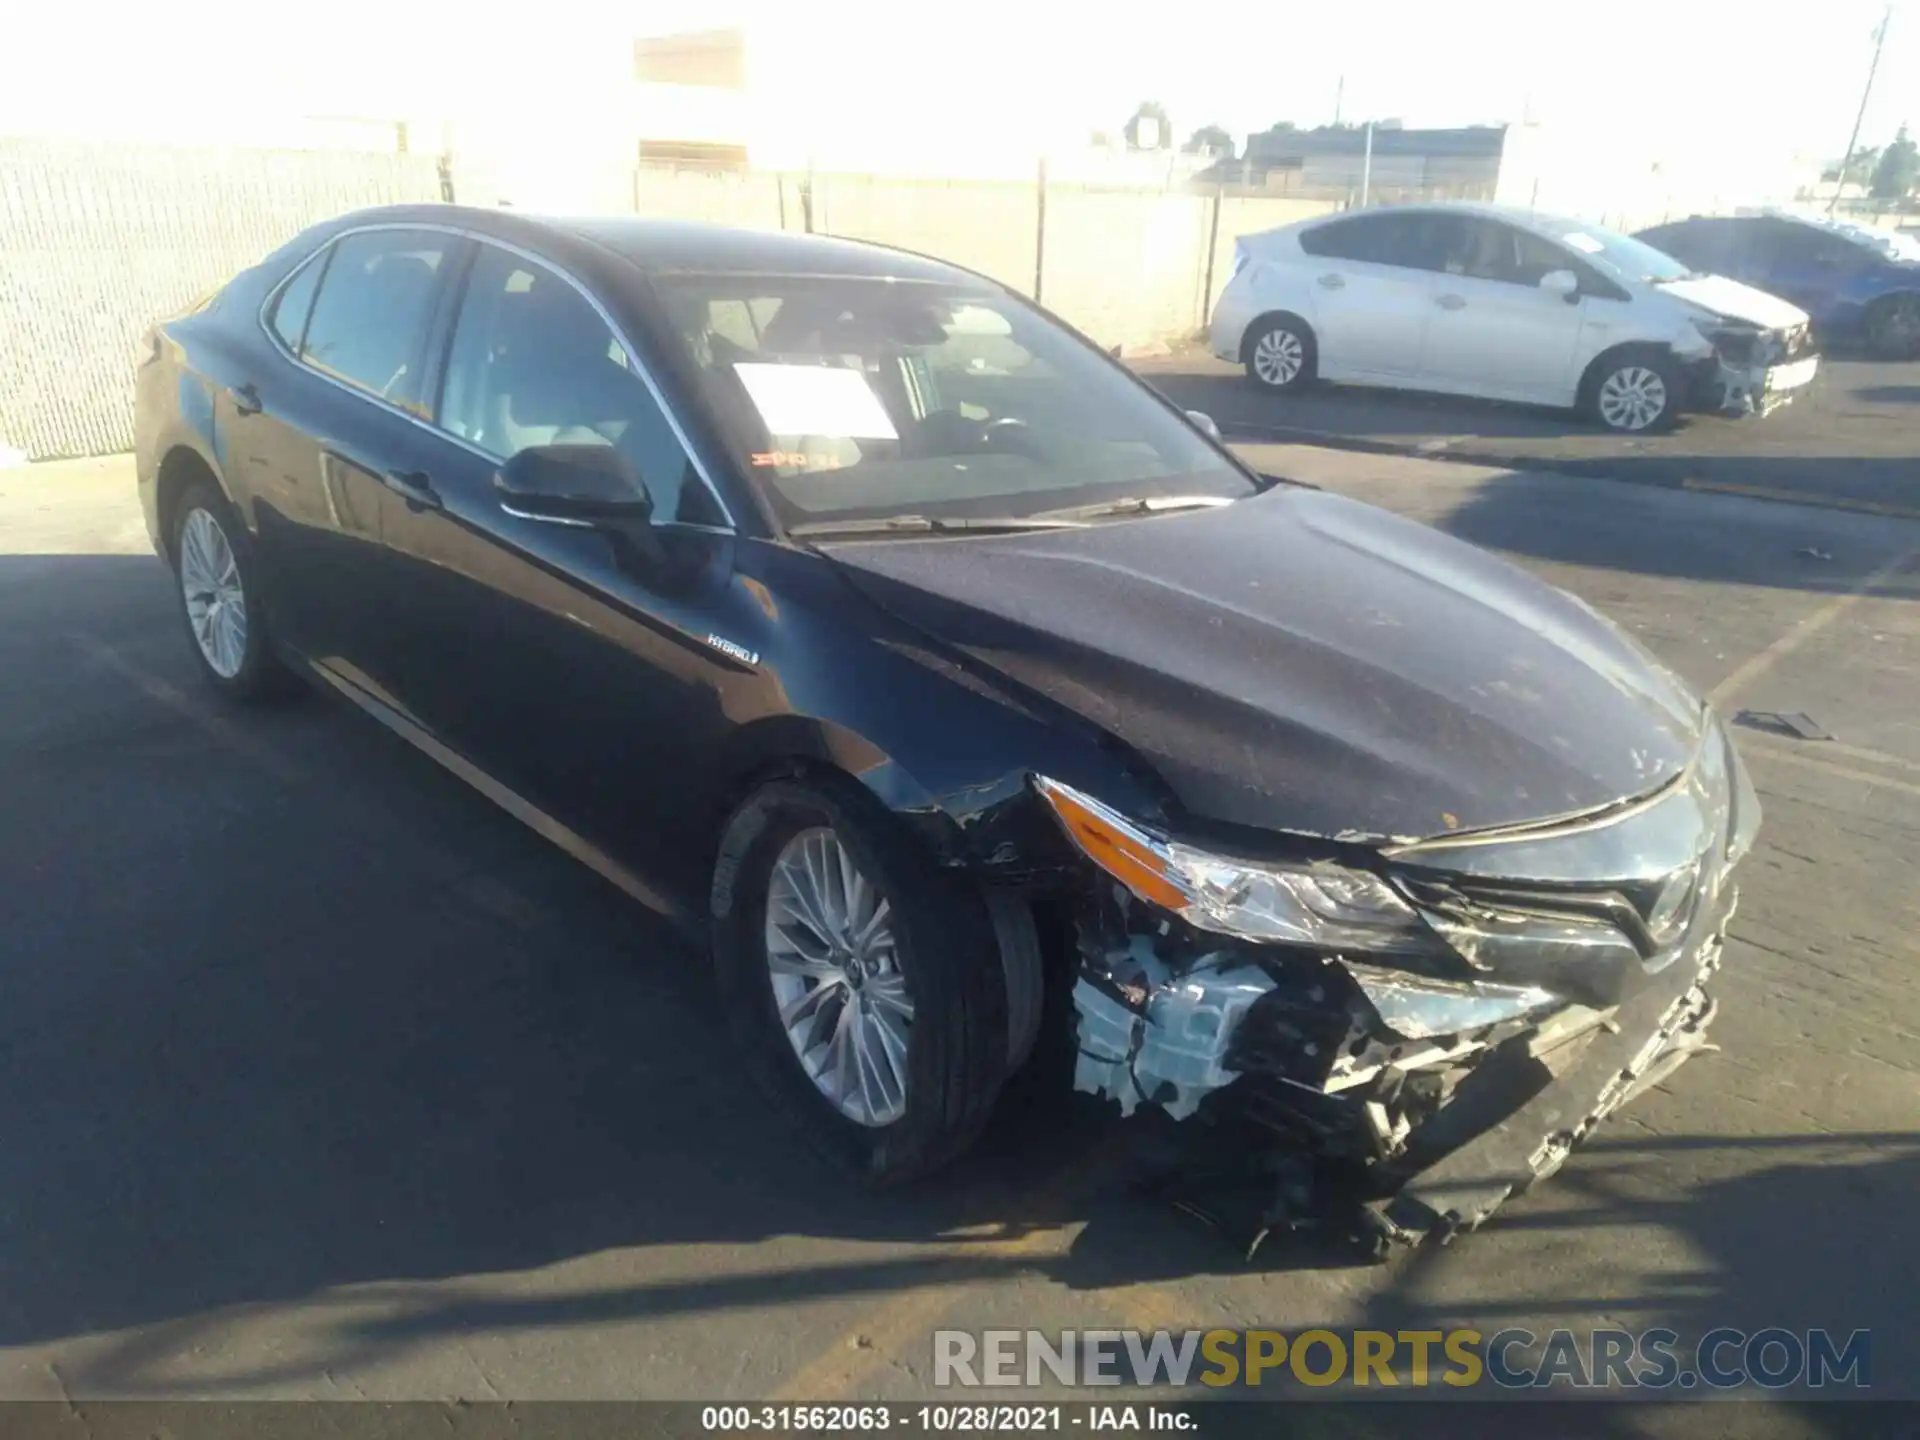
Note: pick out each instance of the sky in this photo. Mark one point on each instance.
(997, 69)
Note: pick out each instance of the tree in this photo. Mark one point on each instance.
(1149, 129)
(1210, 140)
(1897, 170)
(1859, 168)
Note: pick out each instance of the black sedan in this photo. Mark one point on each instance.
(970, 702)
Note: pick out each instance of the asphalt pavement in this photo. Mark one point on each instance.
(320, 1077)
(1851, 439)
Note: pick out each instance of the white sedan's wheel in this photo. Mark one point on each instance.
(1634, 397)
(1280, 355)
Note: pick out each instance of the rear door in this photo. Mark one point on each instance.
(325, 435)
(1370, 302)
(1493, 330)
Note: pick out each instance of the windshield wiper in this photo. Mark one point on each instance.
(1137, 505)
(934, 524)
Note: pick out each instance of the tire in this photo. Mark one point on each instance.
(942, 957)
(1280, 354)
(1893, 327)
(217, 581)
(1634, 392)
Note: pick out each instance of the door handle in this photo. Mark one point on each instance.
(1452, 302)
(246, 399)
(1332, 282)
(415, 487)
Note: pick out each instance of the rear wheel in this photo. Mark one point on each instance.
(1279, 353)
(1893, 327)
(862, 985)
(219, 597)
(1635, 392)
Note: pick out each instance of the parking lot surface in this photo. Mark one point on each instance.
(1852, 439)
(321, 1077)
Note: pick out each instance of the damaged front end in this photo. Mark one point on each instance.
(1434, 1024)
(1753, 370)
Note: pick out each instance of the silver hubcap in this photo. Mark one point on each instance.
(836, 978)
(1632, 398)
(216, 605)
(1278, 356)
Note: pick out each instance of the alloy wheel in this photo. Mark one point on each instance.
(837, 983)
(1632, 398)
(1278, 356)
(216, 601)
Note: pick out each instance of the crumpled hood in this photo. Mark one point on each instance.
(1303, 662)
(1736, 301)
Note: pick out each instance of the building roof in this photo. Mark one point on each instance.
(1269, 148)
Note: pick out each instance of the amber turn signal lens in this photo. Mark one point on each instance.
(1128, 858)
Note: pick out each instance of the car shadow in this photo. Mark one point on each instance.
(1723, 538)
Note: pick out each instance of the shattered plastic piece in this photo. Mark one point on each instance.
(1420, 1008)
(1170, 1052)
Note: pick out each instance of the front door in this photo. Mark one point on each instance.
(1493, 330)
(568, 666)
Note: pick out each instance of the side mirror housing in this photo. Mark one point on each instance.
(1563, 283)
(573, 484)
(1206, 425)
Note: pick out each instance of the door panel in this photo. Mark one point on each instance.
(556, 657)
(1494, 331)
(1370, 298)
(322, 426)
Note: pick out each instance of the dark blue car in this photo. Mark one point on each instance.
(1857, 284)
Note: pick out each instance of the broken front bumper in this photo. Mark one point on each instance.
(1428, 1135)
(1753, 375)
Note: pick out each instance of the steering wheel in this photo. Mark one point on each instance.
(1014, 435)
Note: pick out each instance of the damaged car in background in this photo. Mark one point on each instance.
(978, 711)
(1506, 304)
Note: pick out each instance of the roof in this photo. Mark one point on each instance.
(1470, 141)
(659, 246)
(668, 245)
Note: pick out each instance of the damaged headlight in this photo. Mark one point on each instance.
(1319, 904)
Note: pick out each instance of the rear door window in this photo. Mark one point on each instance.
(1371, 238)
(369, 321)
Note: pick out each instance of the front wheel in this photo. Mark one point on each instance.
(862, 985)
(1635, 394)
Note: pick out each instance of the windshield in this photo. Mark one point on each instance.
(856, 398)
(1629, 258)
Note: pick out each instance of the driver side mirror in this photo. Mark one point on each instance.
(573, 485)
(1563, 283)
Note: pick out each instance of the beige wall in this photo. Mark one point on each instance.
(97, 239)
(100, 238)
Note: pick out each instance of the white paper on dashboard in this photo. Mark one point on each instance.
(816, 400)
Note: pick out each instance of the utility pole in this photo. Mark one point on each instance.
(1853, 140)
(1339, 94)
(1366, 167)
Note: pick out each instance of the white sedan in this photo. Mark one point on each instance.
(1506, 304)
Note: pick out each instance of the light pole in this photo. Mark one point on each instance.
(1853, 140)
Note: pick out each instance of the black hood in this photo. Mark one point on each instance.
(1303, 662)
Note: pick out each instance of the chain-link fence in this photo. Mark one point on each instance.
(98, 239)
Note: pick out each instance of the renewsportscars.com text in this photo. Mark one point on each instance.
(1653, 1359)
